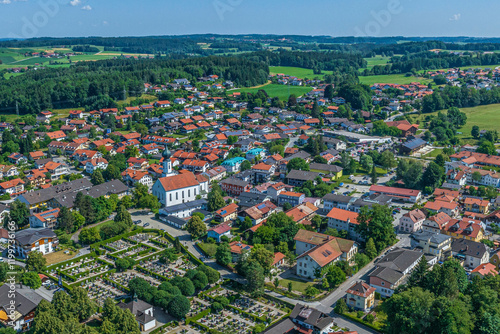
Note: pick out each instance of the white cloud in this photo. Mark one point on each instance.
(105, 22)
(87, 7)
(455, 17)
(6, 2)
(75, 2)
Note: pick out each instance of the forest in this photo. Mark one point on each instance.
(99, 84)
(432, 61)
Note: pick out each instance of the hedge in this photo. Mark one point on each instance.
(356, 319)
(151, 273)
(198, 316)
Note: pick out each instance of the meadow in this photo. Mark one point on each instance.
(487, 117)
(296, 72)
(275, 90)
(400, 79)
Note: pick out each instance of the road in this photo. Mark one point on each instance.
(326, 305)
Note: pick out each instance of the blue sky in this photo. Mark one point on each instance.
(60, 18)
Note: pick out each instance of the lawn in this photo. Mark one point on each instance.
(434, 153)
(297, 284)
(295, 71)
(400, 79)
(280, 91)
(209, 249)
(59, 256)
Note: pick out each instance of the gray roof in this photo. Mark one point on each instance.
(176, 220)
(432, 237)
(311, 316)
(281, 327)
(137, 308)
(236, 182)
(387, 274)
(468, 248)
(23, 305)
(32, 235)
(45, 195)
(185, 206)
(337, 198)
(300, 154)
(302, 175)
(325, 167)
(105, 189)
(399, 259)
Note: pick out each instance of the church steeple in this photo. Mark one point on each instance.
(167, 163)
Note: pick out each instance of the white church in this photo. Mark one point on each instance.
(176, 188)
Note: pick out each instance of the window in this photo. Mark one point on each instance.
(176, 195)
(383, 283)
(189, 192)
(183, 194)
(170, 196)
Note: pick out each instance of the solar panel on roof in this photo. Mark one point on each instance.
(261, 206)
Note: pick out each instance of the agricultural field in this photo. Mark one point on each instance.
(400, 79)
(280, 91)
(295, 72)
(378, 60)
(13, 57)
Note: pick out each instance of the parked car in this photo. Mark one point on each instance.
(146, 225)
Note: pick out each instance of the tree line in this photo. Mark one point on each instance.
(99, 84)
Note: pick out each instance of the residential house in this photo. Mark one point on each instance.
(218, 231)
(227, 213)
(234, 186)
(343, 220)
(46, 219)
(432, 244)
(316, 250)
(293, 198)
(360, 296)
(472, 253)
(392, 270)
(94, 164)
(42, 240)
(411, 221)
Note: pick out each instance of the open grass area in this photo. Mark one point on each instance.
(209, 249)
(487, 117)
(296, 72)
(400, 79)
(377, 60)
(281, 91)
(434, 153)
(59, 256)
(297, 284)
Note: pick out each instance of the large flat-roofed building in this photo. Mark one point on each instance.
(357, 137)
(397, 194)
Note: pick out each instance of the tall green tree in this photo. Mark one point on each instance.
(376, 223)
(196, 227)
(215, 199)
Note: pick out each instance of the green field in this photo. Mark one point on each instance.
(486, 117)
(281, 91)
(295, 72)
(378, 60)
(13, 57)
(400, 79)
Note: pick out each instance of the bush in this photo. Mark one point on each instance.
(360, 314)
(370, 318)
(378, 296)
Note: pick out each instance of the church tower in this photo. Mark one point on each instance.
(167, 163)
